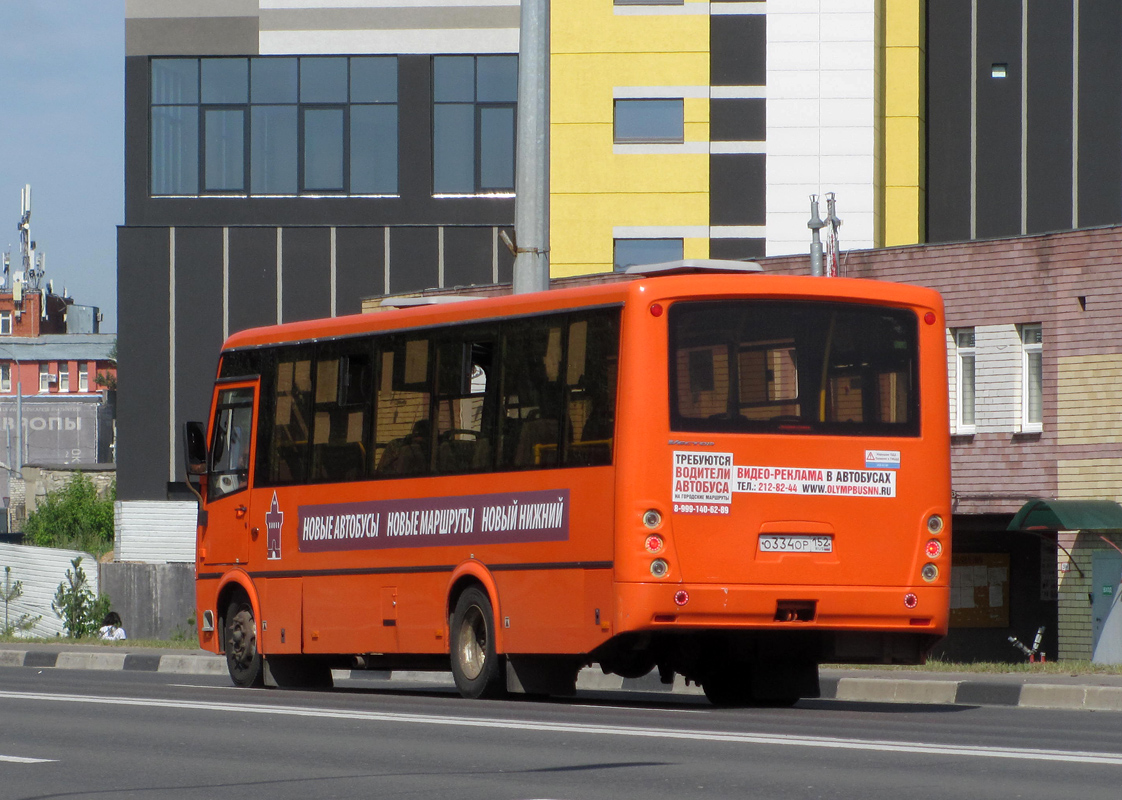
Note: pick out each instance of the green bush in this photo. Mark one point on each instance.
(75, 604)
(74, 518)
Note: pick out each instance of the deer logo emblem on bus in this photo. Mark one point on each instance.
(274, 520)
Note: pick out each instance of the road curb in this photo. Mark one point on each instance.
(912, 691)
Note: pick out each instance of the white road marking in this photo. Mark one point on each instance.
(913, 748)
(22, 760)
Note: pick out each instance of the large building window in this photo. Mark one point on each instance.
(5, 377)
(1032, 378)
(5, 323)
(474, 101)
(274, 125)
(964, 380)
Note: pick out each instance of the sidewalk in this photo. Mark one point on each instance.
(1024, 690)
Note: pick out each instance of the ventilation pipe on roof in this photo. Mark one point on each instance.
(815, 224)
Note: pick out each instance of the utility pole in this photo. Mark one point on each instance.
(531, 181)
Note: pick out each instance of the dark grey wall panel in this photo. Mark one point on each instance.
(738, 50)
(198, 325)
(998, 209)
(136, 139)
(948, 121)
(1049, 108)
(360, 267)
(468, 256)
(143, 363)
(738, 249)
(737, 120)
(306, 273)
(1100, 113)
(413, 259)
(737, 189)
(253, 277)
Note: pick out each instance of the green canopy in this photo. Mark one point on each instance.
(1068, 515)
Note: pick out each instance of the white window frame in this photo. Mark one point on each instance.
(83, 377)
(5, 377)
(63, 376)
(44, 378)
(1031, 350)
(965, 344)
(5, 323)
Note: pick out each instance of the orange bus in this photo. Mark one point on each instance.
(730, 476)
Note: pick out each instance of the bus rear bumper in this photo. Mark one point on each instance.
(669, 606)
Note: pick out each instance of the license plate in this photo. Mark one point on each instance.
(796, 543)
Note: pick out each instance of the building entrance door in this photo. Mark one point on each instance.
(1106, 608)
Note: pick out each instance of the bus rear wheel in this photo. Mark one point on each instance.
(476, 667)
(243, 659)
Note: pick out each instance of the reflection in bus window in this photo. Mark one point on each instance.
(531, 394)
(402, 427)
(794, 367)
(342, 412)
(291, 418)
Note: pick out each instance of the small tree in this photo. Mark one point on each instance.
(81, 613)
(74, 517)
(10, 593)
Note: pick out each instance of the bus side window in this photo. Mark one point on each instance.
(590, 388)
(530, 424)
(290, 437)
(342, 412)
(465, 384)
(402, 429)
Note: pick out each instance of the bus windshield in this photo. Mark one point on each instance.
(793, 367)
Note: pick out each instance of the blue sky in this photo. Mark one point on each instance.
(62, 130)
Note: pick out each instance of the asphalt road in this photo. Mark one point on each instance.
(89, 734)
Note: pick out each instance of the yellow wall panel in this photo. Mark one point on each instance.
(590, 26)
(581, 86)
(581, 225)
(903, 215)
(903, 165)
(903, 93)
(904, 23)
(576, 168)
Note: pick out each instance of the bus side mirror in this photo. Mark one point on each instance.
(194, 448)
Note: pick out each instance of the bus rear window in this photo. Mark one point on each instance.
(793, 367)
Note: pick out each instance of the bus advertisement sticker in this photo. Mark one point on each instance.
(510, 517)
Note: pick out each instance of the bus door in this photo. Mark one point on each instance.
(231, 458)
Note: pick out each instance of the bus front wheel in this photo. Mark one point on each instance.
(243, 659)
(476, 668)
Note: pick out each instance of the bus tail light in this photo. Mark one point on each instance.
(652, 519)
(659, 567)
(910, 600)
(654, 544)
(681, 597)
(934, 548)
(929, 572)
(935, 524)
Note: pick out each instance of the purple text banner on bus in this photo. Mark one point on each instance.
(435, 521)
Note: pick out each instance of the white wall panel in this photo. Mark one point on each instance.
(155, 531)
(41, 570)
